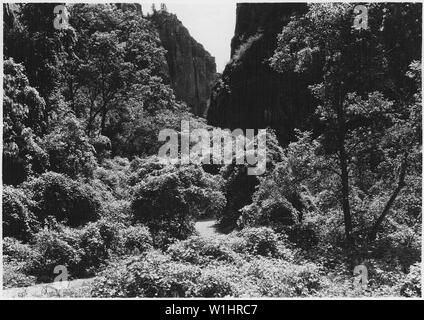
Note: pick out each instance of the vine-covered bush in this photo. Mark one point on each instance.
(69, 148)
(260, 241)
(118, 211)
(53, 249)
(200, 250)
(169, 200)
(141, 168)
(240, 186)
(84, 252)
(157, 275)
(18, 220)
(98, 242)
(66, 200)
(411, 286)
(153, 275)
(15, 250)
(14, 278)
(114, 174)
(136, 239)
(277, 278)
(213, 284)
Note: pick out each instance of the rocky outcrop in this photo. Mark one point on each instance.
(250, 94)
(191, 68)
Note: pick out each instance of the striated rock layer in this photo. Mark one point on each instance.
(250, 94)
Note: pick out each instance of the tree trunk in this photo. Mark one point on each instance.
(401, 183)
(341, 133)
(103, 122)
(345, 195)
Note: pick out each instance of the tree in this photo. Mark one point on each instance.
(39, 46)
(18, 220)
(240, 186)
(69, 148)
(115, 52)
(403, 144)
(23, 112)
(353, 114)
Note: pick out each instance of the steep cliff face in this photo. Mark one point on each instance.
(191, 68)
(250, 94)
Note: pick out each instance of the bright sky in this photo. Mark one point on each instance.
(210, 23)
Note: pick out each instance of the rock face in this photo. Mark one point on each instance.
(250, 94)
(191, 68)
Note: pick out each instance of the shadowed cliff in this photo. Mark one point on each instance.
(250, 94)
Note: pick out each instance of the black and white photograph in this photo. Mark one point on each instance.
(206, 150)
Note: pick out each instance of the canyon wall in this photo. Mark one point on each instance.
(250, 94)
(191, 68)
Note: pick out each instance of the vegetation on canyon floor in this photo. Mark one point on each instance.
(83, 186)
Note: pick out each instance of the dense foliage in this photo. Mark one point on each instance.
(170, 200)
(83, 186)
(369, 150)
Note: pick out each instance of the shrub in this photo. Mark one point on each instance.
(153, 275)
(52, 249)
(14, 250)
(200, 250)
(411, 286)
(382, 274)
(213, 284)
(162, 239)
(69, 148)
(223, 279)
(98, 241)
(270, 212)
(176, 280)
(277, 278)
(279, 200)
(102, 145)
(306, 279)
(102, 193)
(114, 174)
(400, 245)
(68, 201)
(260, 241)
(13, 278)
(240, 187)
(156, 275)
(303, 235)
(109, 178)
(84, 252)
(136, 238)
(141, 168)
(18, 220)
(169, 200)
(118, 211)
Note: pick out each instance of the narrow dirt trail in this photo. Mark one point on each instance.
(207, 228)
